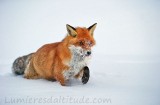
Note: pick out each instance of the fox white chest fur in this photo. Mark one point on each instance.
(77, 62)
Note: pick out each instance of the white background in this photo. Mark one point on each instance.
(125, 65)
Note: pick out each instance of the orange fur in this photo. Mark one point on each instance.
(51, 60)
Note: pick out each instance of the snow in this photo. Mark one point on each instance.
(125, 65)
(119, 82)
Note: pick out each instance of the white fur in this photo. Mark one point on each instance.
(77, 62)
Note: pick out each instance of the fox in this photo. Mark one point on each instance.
(60, 61)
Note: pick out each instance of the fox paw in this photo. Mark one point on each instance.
(86, 75)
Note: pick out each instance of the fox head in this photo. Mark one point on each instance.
(80, 39)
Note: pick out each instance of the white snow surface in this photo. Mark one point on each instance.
(125, 66)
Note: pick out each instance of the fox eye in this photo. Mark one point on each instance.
(90, 44)
(81, 43)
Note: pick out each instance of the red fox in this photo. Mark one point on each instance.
(61, 60)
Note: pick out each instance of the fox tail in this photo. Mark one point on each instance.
(20, 64)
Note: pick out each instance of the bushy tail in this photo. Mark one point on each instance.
(20, 64)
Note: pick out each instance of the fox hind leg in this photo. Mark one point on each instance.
(30, 73)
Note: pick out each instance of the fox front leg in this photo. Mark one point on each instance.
(86, 75)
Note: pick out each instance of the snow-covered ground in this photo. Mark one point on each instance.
(115, 80)
(125, 67)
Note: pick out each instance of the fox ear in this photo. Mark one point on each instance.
(92, 28)
(71, 30)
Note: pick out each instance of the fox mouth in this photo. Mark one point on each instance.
(85, 55)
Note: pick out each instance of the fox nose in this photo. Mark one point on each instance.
(88, 53)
